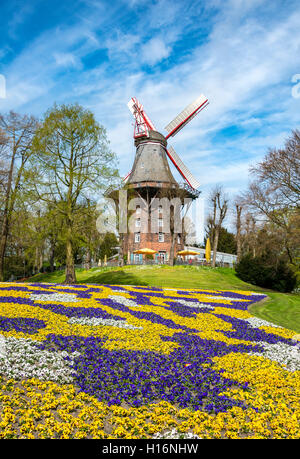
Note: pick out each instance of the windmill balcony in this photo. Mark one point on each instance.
(189, 189)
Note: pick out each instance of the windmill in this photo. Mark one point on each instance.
(150, 181)
(144, 126)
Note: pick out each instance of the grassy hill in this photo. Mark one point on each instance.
(280, 308)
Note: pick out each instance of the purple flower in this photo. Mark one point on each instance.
(21, 324)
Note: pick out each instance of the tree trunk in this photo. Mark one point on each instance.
(171, 261)
(2, 253)
(41, 260)
(51, 257)
(121, 254)
(172, 235)
(6, 216)
(70, 268)
(215, 246)
(36, 261)
(220, 203)
(238, 232)
(4, 232)
(88, 260)
(288, 251)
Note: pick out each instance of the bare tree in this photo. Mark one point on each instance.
(3, 162)
(209, 229)
(250, 228)
(279, 175)
(219, 206)
(275, 191)
(16, 132)
(238, 225)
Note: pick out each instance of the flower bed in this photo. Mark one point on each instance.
(101, 361)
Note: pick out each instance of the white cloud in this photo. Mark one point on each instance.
(244, 66)
(122, 43)
(66, 60)
(154, 51)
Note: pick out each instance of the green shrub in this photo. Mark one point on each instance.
(259, 271)
(297, 274)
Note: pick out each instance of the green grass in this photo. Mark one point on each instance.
(280, 308)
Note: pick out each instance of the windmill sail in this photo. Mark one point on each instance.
(144, 127)
(126, 177)
(181, 167)
(186, 115)
(143, 124)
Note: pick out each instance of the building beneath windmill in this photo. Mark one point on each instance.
(155, 201)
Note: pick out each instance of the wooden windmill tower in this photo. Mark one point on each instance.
(152, 178)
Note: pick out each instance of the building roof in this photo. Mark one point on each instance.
(151, 163)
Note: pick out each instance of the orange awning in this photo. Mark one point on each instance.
(145, 251)
(188, 252)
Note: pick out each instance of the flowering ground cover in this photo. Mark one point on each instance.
(107, 361)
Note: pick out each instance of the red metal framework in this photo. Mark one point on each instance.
(143, 124)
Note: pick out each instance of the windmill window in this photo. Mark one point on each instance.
(160, 222)
(138, 222)
(161, 237)
(178, 239)
(138, 209)
(137, 237)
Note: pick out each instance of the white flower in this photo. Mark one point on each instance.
(2, 347)
(284, 354)
(256, 322)
(174, 434)
(122, 300)
(23, 359)
(95, 322)
(56, 297)
(194, 304)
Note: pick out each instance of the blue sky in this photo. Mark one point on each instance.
(242, 54)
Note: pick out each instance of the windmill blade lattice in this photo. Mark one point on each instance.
(181, 167)
(186, 115)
